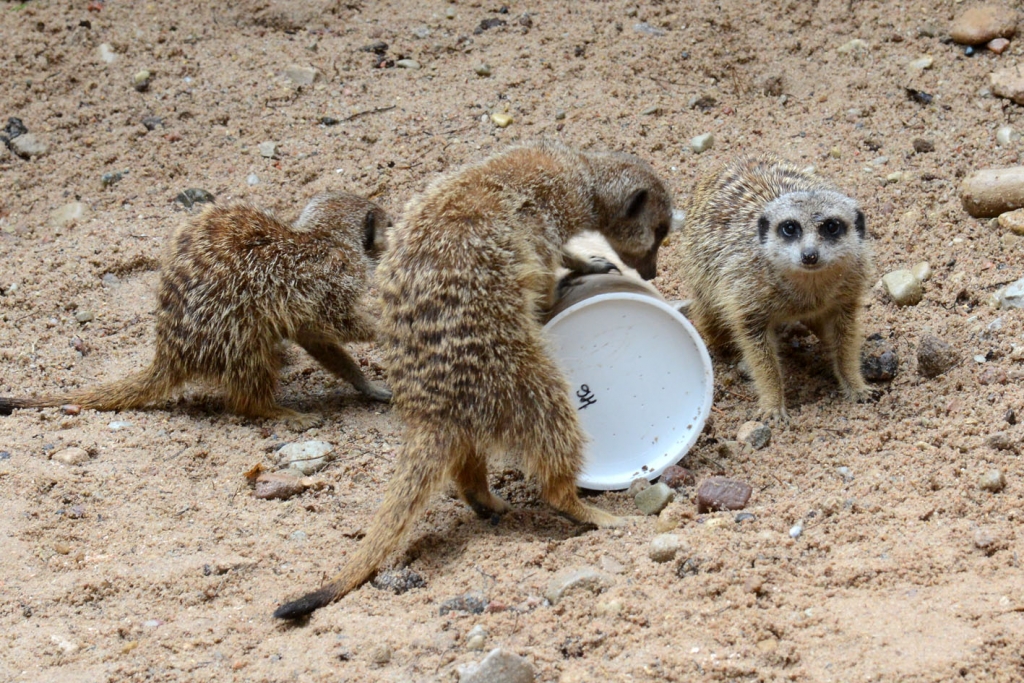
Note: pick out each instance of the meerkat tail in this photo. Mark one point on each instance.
(422, 467)
(135, 391)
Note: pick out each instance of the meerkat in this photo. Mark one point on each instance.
(235, 282)
(471, 265)
(763, 244)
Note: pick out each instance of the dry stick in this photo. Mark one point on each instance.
(375, 110)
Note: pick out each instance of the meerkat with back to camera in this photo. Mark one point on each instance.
(235, 281)
(471, 265)
(763, 244)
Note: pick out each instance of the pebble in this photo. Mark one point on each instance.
(107, 53)
(992, 375)
(66, 646)
(192, 196)
(301, 75)
(141, 80)
(381, 654)
(672, 517)
(68, 214)
(721, 493)
(118, 425)
(483, 69)
(1010, 417)
(470, 603)
(398, 581)
(923, 146)
(702, 143)
(489, 23)
(756, 434)
(1003, 441)
(653, 500)
(985, 540)
(575, 579)
(880, 362)
(28, 145)
(61, 548)
(498, 666)
(268, 150)
(993, 481)
(612, 608)
(922, 271)
(647, 29)
(252, 179)
(636, 486)
(501, 120)
(982, 23)
(476, 638)
(1011, 296)
(998, 45)
(84, 317)
(796, 530)
(903, 288)
(855, 45)
(934, 357)
(745, 517)
(1012, 221)
(1008, 83)
(71, 456)
(282, 485)
(921, 63)
(306, 457)
(112, 178)
(676, 477)
(70, 409)
(298, 536)
(407, 64)
(449, 13)
(152, 122)
(664, 547)
(559, 115)
(844, 472)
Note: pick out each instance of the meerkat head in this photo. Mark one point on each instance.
(811, 231)
(635, 209)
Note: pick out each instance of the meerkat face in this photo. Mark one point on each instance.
(811, 231)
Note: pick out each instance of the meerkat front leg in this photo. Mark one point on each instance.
(842, 337)
(757, 341)
(338, 362)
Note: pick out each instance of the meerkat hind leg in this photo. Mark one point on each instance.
(338, 362)
(841, 336)
(250, 392)
(758, 346)
(471, 477)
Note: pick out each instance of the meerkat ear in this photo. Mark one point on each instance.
(369, 231)
(762, 228)
(859, 225)
(635, 204)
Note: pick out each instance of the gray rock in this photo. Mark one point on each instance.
(192, 196)
(84, 317)
(112, 178)
(646, 29)
(71, 456)
(993, 481)
(483, 70)
(306, 457)
(574, 579)
(934, 357)
(903, 288)
(407, 64)
(756, 434)
(470, 603)
(28, 145)
(1005, 135)
(301, 75)
(252, 179)
(664, 547)
(498, 666)
(381, 654)
(398, 581)
(880, 363)
(721, 493)
(1011, 296)
(923, 146)
(68, 214)
(636, 486)
(1003, 441)
(653, 500)
(268, 150)
(702, 143)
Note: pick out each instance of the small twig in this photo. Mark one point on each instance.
(375, 110)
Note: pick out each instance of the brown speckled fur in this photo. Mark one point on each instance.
(236, 281)
(471, 266)
(742, 296)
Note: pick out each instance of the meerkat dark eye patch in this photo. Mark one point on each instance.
(859, 225)
(789, 230)
(636, 204)
(832, 229)
(369, 231)
(762, 228)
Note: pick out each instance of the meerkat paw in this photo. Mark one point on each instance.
(774, 415)
(487, 507)
(862, 394)
(377, 391)
(300, 422)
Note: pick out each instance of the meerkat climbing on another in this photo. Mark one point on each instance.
(234, 283)
(765, 243)
(471, 265)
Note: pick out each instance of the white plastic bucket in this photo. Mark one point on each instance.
(639, 373)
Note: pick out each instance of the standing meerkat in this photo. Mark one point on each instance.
(765, 243)
(472, 263)
(234, 282)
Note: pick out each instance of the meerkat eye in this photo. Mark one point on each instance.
(789, 230)
(832, 228)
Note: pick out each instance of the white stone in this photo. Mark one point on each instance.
(664, 547)
(1012, 296)
(107, 53)
(576, 578)
(407, 64)
(702, 143)
(903, 288)
(71, 456)
(922, 271)
(855, 45)
(301, 75)
(268, 150)
(67, 214)
(498, 666)
(921, 63)
(1006, 135)
(28, 145)
(307, 457)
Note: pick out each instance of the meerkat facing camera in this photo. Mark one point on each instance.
(765, 243)
(234, 283)
(470, 267)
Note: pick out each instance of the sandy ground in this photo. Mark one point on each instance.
(154, 561)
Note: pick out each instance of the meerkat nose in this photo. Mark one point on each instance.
(809, 256)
